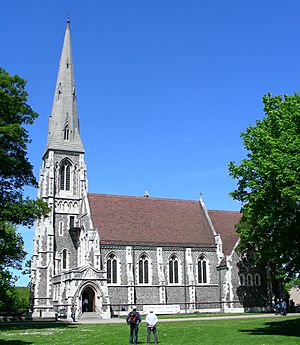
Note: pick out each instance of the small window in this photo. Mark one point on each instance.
(64, 259)
(257, 279)
(72, 222)
(61, 228)
(242, 279)
(249, 280)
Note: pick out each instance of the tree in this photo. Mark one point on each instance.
(268, 186)
(11, 256)
(16, 172)
(15, 168)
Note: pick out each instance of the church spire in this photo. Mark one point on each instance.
(63, 132)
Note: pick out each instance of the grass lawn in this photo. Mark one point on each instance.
(267, 331)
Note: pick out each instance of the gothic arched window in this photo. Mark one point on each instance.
(173, 270)
(144, 269)
(242, 279)
(202, 270)
(65, 176)
(249, 280)
(64, 259)
(257, 279)
(111, 268)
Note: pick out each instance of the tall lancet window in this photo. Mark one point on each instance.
(202, 270)
(66, 132)
(111, 268)
(65, 176)
(173, 270)
(144, 270)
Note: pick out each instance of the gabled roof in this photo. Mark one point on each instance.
(224, 223)
(153, 221)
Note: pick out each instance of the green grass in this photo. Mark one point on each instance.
(267, 331)
(187, 316)
(198, 315)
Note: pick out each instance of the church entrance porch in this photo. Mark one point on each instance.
(88, 300)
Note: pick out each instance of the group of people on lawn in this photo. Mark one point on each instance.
(281, 307)
(133, 319)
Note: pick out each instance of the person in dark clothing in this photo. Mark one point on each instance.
(278, 308)
(73, 312)
(283, 307)
(133, 319)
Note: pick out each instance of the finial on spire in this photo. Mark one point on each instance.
(68, 20)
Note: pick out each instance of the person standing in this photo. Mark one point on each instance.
(133, 319)
(85, 304)
(151, 320)
(73, 311)
(278, 308)
(283, 307)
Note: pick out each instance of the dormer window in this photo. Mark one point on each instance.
(66, 132)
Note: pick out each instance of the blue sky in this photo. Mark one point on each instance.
(164, 87)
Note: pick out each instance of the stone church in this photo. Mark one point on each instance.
(105, 253)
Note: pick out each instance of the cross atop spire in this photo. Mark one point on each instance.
(63, 132)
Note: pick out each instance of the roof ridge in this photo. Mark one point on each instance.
(142, 197)
(231, 211)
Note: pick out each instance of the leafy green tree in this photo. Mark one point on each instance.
(11, 256)
(15, 168)
(268, 186)
(15, 173)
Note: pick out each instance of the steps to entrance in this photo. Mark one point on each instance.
(90, 317)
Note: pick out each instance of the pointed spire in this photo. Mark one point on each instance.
(63, 132)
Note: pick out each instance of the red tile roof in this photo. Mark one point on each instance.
(139, 220)
(224, 223)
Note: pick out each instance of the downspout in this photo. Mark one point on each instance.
(133, 272)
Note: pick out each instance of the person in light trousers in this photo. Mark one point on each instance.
(151, 320)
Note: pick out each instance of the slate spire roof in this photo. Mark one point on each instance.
(63, 130)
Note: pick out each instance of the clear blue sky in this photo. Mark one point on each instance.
(164, 87)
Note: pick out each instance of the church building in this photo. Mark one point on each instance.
(105, 253)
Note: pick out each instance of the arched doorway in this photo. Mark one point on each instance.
(88, 300)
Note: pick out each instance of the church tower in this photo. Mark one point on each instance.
(64, 269)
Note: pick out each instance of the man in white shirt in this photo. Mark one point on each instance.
(151, 320)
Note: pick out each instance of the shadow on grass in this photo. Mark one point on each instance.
(15, 342)
(33, 325)
(289, 328)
